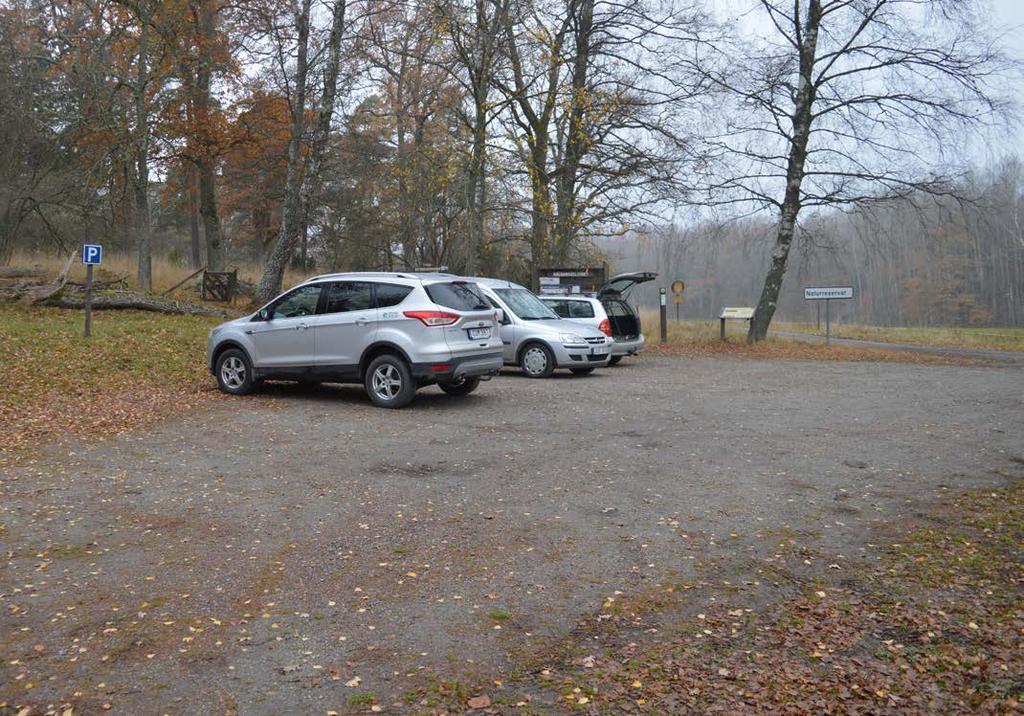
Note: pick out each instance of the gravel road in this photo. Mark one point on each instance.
(295, 551)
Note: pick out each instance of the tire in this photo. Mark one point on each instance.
(463, 387)
(234, 372)
(614, 360)
(581, 371)
(537, 361)
(389, 382)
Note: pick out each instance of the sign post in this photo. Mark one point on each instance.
(663, 316)
(92, 255)
(677, 295)
(828, 294)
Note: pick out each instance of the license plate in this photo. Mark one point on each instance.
(477, 333)
(598, 351)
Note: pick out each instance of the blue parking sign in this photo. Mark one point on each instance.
(92, 254)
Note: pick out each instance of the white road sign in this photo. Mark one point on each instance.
(828, 292)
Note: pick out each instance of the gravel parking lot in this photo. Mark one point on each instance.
(288, 552)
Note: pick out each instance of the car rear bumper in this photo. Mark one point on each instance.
(630, 347)
(485, 364)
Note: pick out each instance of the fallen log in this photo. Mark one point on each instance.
(21, 272)
(42, 292)
(134, 301)
(115, 284)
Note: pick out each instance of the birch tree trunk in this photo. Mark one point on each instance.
(791, 203)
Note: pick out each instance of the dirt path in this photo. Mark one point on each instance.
(261, 556)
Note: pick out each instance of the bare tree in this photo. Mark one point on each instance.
(839, 102)
(304, 172)
(597, 92)
(476, 34)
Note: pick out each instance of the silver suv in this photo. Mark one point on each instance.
(536, 339)
(392, 332)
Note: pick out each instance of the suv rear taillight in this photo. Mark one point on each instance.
(432, 318)
(605, 327)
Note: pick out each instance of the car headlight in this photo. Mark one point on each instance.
(571, 339)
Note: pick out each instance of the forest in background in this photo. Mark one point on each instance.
(491, 136)
(911, 263)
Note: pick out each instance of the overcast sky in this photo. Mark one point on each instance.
(1008, 21)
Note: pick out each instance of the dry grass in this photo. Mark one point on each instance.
(701, 339)
(118, 265)
(1006, 339)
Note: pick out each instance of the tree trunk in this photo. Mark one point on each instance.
(300, 184)
(540, 204)
(802, 116)
(206, 21)
(576, 141)
(193, 217)
(211, 220)
(476, 185)
(143, 229)
(7, 229)
(273, 271)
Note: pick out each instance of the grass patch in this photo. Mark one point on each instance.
(136, 368)
(499, 614)
(362, 698)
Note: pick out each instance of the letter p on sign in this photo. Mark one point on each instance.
(92, 254)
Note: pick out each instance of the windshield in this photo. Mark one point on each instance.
(525, 305)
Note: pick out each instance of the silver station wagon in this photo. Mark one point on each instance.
(392, 332)
(536, 339)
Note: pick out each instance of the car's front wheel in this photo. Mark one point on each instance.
(459, 388)
(389, 382)
(537, 361)
(234, 372)
(614, 360)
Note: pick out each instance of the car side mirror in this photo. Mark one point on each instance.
(499, 316)
(264, 314)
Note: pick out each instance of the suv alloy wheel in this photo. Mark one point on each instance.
(389, 382)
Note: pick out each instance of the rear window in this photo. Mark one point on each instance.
(391, 294)
(580, 309)
(558, 307)
(617, 308)
(345, 296)
(460, 295)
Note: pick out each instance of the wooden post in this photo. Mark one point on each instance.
(721, 329)
(664, 318)
(88, 300)
(828, 322)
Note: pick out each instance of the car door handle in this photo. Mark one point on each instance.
(361, 321)
(302, 326)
